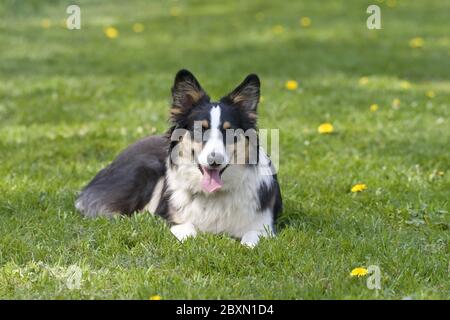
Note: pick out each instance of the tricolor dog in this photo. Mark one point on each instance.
(208, 173)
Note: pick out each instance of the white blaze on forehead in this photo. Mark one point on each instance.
(215, 117)
(214, 142)
(215, 122)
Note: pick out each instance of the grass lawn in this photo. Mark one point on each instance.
(71, 100)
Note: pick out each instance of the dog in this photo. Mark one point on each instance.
(194, 176)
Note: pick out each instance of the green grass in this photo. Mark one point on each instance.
(71, 100)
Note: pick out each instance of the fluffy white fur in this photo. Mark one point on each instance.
(232, 210)
(156, 196)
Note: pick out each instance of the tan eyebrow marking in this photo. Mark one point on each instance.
(205, 124)
(226, 125)
(176, 110)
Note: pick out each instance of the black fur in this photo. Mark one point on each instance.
(186, 94)
(245, 98)
(127, 184)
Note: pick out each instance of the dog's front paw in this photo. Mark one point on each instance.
(250, 239)
(183, 231)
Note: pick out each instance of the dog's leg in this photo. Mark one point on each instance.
(183, 231)
(251, 238)
(261, 227)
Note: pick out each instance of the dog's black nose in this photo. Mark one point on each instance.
(215, 159)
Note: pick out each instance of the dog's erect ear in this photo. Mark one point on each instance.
(186, 94)
(246, 95)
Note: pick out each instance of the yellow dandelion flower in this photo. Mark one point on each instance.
(305, 22)
(396, 103)
(138, 27)
(363, 80)
(155, 297)
(430, 94)
(175, 11)
(359, 272)
(440, 173)
(46, 23)
(374, 107)
(405, 85)
(111, 32)
(359, 187)
(291, 85)
(417, 42)
(325, 128)
(278, 29)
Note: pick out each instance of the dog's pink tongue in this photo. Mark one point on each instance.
(211, 180)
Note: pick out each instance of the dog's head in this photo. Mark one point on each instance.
(213, 136)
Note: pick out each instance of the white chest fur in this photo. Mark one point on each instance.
(233, 210)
